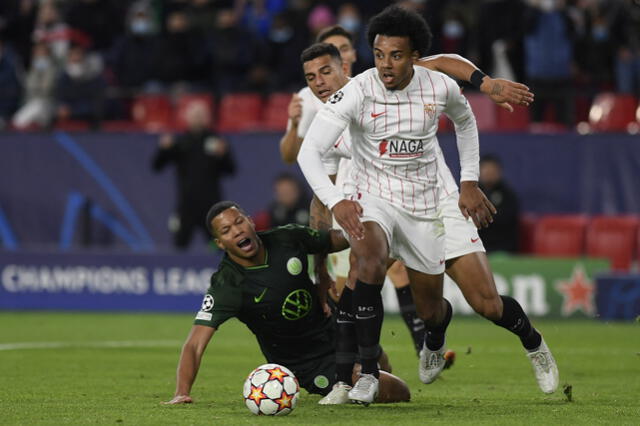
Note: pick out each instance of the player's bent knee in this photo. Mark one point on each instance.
(392, 389)
(489, 308)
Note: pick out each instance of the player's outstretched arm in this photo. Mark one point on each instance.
(290, 142)
(190, 358)
(503, 92)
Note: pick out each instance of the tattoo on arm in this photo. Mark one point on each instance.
(497, 89)
(319, 215)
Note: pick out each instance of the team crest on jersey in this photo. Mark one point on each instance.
(401, 148)
(336, 97)
(430, 109)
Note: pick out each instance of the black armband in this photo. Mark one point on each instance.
(476, 78)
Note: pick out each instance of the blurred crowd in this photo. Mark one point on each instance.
(82, 59)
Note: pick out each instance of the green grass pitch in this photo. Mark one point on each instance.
(116, 368)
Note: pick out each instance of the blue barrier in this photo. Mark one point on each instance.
(618, 297)
(113, 282)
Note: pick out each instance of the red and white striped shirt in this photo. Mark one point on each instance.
(393, 139)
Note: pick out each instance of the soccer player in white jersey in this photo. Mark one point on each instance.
(396, 158)
(303, 108)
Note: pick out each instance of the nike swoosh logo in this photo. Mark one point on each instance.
(259, 298)
(378, 114)
(475, 240)
(344, 322)
(360, 317)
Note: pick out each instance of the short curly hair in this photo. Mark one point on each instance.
(395, 21)
(218, 208)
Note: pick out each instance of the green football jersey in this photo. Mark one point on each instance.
(277, 300)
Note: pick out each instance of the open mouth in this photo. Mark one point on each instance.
(387, 78)
(324, 93)
(245, 244)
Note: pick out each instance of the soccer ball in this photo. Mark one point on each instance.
(271, 390)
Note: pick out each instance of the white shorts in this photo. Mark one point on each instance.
(417, 241)
(461, 234)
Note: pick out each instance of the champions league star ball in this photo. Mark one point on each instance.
(271, 390)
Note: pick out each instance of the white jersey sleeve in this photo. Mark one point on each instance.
(458, 110)
(329, 124)
(310, 107)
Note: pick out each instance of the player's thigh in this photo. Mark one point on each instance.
(371, 253)
(473, 276)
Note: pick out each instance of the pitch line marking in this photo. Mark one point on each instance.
(91, 344)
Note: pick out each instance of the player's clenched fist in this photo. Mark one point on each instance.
(475, 205)
(347, 214)
(179, 399)
(295, 109)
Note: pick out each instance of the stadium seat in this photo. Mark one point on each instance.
(186, 101)
(152, 112)
(240, 112)
(612, 112)
(72, 125)
(516, 121)
(560, 235)
(276, 112)
(613, 237)
(485, 111)
(526, 229)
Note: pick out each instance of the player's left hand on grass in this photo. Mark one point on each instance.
(178, 399)
(506, 92)
(475, 205)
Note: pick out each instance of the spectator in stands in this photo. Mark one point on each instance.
(134, 56)
(499, 36)
(350, 19)
(99, 20)
(9, 83)
(549, 58)
(290, 204)
(80, 88)
(183, 53)
(628, 48)
(502, 234)
(285, 37)
(38, 106)
(234, 53)
(51, 29)
(201, 159)
(595, 47)
(17, 20)
(202, 14)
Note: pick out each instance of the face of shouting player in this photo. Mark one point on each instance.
(324, 75)
(394, 60)
(236, 234)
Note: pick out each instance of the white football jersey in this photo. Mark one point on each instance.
(394, 148)
(337, 161)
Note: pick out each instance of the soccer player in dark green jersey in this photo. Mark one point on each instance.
(263, 281)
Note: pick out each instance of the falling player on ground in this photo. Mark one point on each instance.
(263, 281)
